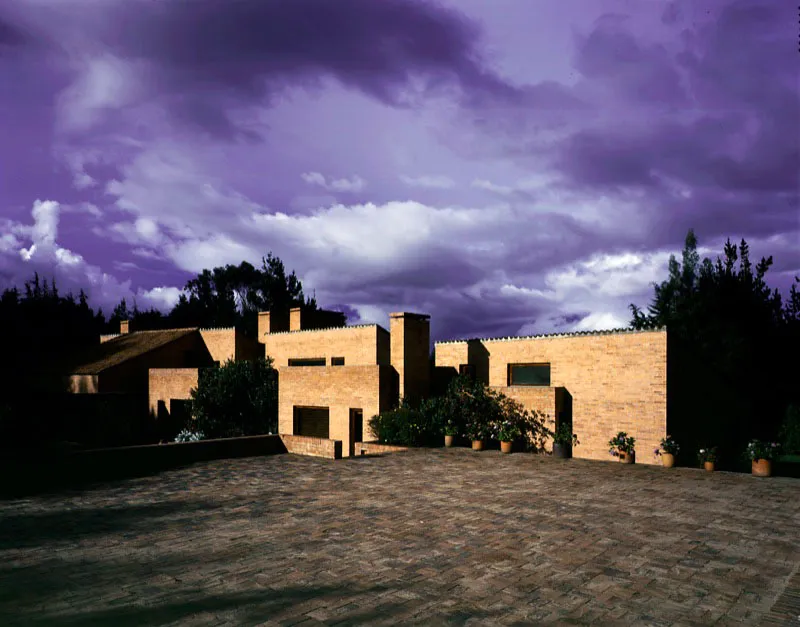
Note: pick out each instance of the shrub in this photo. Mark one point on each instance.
(406, 426)
(508, 431)
(669, 446)
(621, 443)
(564, 435)
(237, 399)
(757, 449)
(707, 454)
(189, 436)
(790, 430)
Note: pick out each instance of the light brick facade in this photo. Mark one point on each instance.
(617, 381)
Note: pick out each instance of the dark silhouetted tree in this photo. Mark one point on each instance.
(733, 346)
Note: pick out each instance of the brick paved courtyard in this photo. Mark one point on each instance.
(433, 537)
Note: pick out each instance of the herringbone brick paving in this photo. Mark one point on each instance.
(429, 537)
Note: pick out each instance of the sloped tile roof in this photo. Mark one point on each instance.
(124, 347)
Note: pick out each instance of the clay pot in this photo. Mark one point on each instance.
(562, 451)
(627, 458)
(448, 440)
(762, 468)
(709, 466)
(505, 447)
(667, 460)
(477, 445)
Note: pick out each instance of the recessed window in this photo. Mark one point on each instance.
(312, 361)
(529, 374)
(337, 361)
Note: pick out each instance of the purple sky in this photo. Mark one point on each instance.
(508, 166)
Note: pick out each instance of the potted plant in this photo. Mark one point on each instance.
(622, 446)
(761, 454)
(507, 432)
(563, 441)
(477, 432)
(707, 457)
(450, 432)
(667, 451)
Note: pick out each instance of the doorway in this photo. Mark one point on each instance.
(356, 428)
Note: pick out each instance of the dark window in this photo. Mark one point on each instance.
(337, 361)
(467, 370)
(529, 374)
(311, 421)
(313, 361)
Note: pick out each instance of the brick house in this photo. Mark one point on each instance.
(161, 365)
(332, 378)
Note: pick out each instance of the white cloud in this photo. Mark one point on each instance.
(104, 82)
(432, 182)
(491, 187)
(354, 184)
(70, 270)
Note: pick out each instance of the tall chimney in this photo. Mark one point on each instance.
(410, 353)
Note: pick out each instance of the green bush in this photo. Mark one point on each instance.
(409, 426)
(790, 430)
(469, 409)
(237, 399)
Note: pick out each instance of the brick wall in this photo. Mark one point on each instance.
(168, 383)
(314, 447)
(373, 448)
(339, 388)
(618, 382)
(358, 345)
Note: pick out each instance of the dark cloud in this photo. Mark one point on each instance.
(728, 157)
(252, 49)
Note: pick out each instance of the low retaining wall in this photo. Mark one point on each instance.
(51, 469)
(373, 448)
(315, 447)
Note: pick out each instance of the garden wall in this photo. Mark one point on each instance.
(314, 447)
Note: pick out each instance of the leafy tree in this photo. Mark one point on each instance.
(239, 398)
(732, 366)
(233, 295)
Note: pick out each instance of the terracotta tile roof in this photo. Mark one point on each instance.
(544, 335)
(124, 347)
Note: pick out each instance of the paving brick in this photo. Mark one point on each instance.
(443, 536)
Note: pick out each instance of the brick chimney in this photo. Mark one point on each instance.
(124, 327)
(410, 352)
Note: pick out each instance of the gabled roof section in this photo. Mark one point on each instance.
(573, 334)
(125, 347)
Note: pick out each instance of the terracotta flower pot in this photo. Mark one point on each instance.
(448, 441)
(477, 445)
(709, 466)
(762, 468)
(505, 447)
(627, 458)
(667, 460)
(562, 451)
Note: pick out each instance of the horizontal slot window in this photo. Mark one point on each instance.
(337, 361)
(310, 361)
(529, 374)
